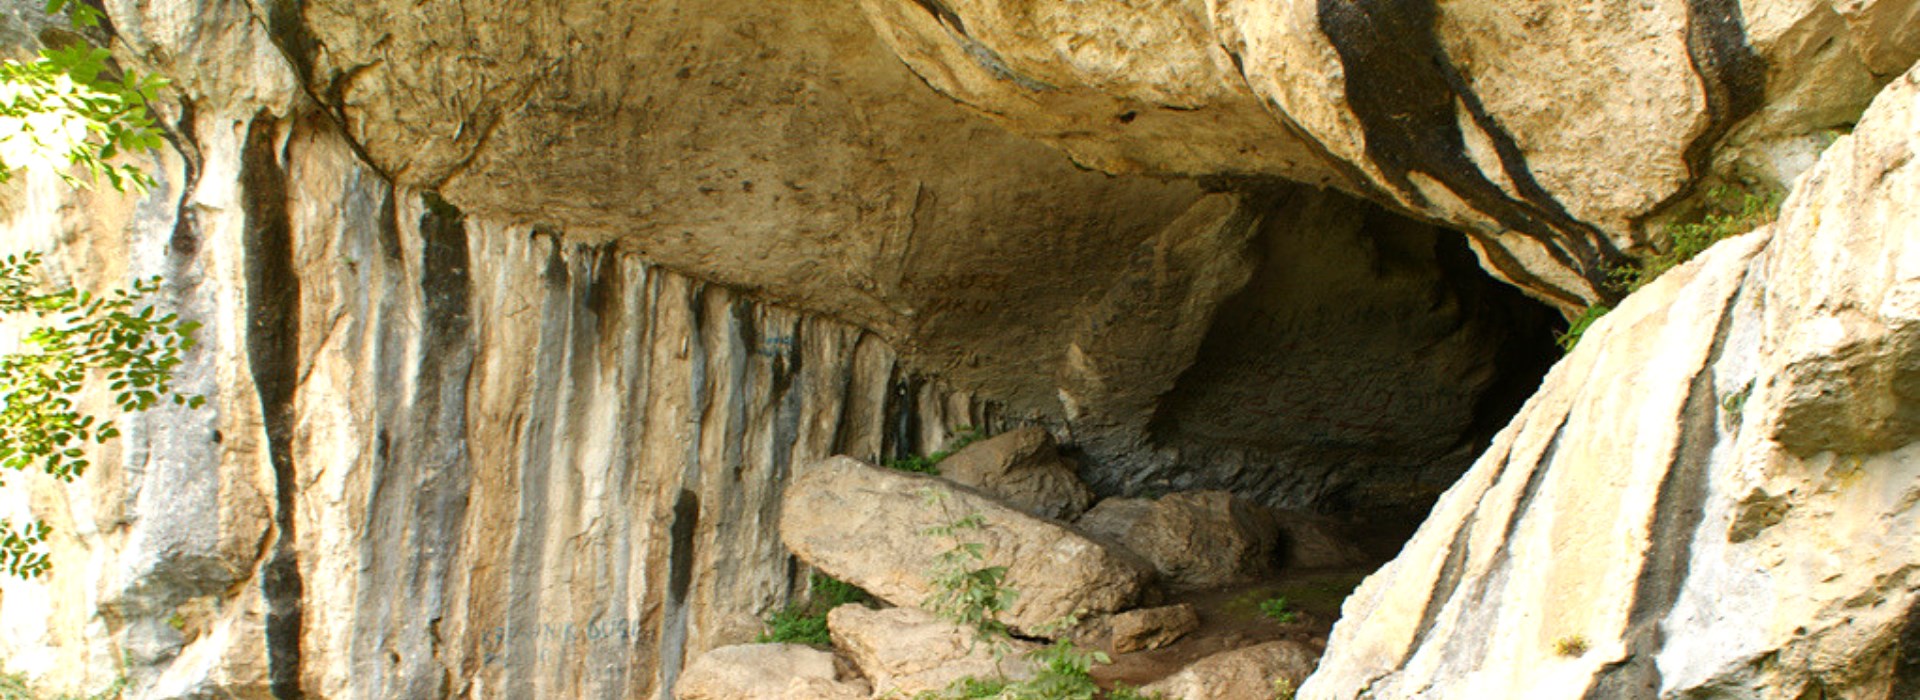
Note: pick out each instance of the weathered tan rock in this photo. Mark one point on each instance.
(1250, 673)
(1713, 495)
(767, 672)
(907, 651)
(1024, 468)
(1195, 539)
(1151, 628)
(508, 462)
(1547, 133)
(870, 526)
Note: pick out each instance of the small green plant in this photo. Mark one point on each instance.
(930, 464)
(968, 591)
(807, 623)
(1570, 646)
(1276, 609)
(1283, 689)
(1578, 327)
(1729, 211)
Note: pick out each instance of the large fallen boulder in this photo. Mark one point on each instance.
(1714, 495)
(767, 672)
(1196, 539)
(907, 651)
(875, 528)
(1260, 671)
(1024, 468)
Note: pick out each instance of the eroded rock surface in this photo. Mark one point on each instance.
(1259, 671)
(1713, 495)
(1195, 539)
(907, 651)
(873, 527)
(768, 672)
(1023, 467)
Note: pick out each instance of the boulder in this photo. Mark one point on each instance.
(1259, 671)
(907, 651)
(1713, 495)
(1024, 468)
(767, 672)
(872, 527)
(1151, 628)
(1195, 539)
(1309, 541)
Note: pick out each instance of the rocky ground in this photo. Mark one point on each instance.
(1189, 595)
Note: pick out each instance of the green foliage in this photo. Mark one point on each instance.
(1063, 671)
(967, 592)
(67, 108)
(929, 464)
(1276, 609)
(1283, 689)
(1579, 326)
(20, 555)
(1728, 212)
(1570, 646)
(118, 336)
(63, 110)
(807, 623)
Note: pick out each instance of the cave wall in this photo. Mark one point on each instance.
(441, 455)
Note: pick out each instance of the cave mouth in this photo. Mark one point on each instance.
(1363, 368)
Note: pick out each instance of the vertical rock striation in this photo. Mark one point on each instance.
(1713, 496)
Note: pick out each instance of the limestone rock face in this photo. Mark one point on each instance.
(870, 527)
(1023, 467)
(1548, 134)
(440, 456)
(767, 672)
(1242, 674)
(1713, 495)
(1194, 539)
(907, 651)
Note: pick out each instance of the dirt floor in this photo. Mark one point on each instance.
(1232, 617)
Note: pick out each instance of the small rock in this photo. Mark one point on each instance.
(871, 527)
(1024, 468)
(1151, 628)
(767, 672)
(1196, 539)
(1253, 672)
(907, 651)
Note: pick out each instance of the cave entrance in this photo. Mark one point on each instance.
(1363, 368)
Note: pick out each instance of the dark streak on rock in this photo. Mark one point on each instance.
(273, 344)
(1405, 91)
(1678, 511)
(185, 141)
(1906, 659)
(686, 521)
(902, 416)
(941, 12)
(1732, 74)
